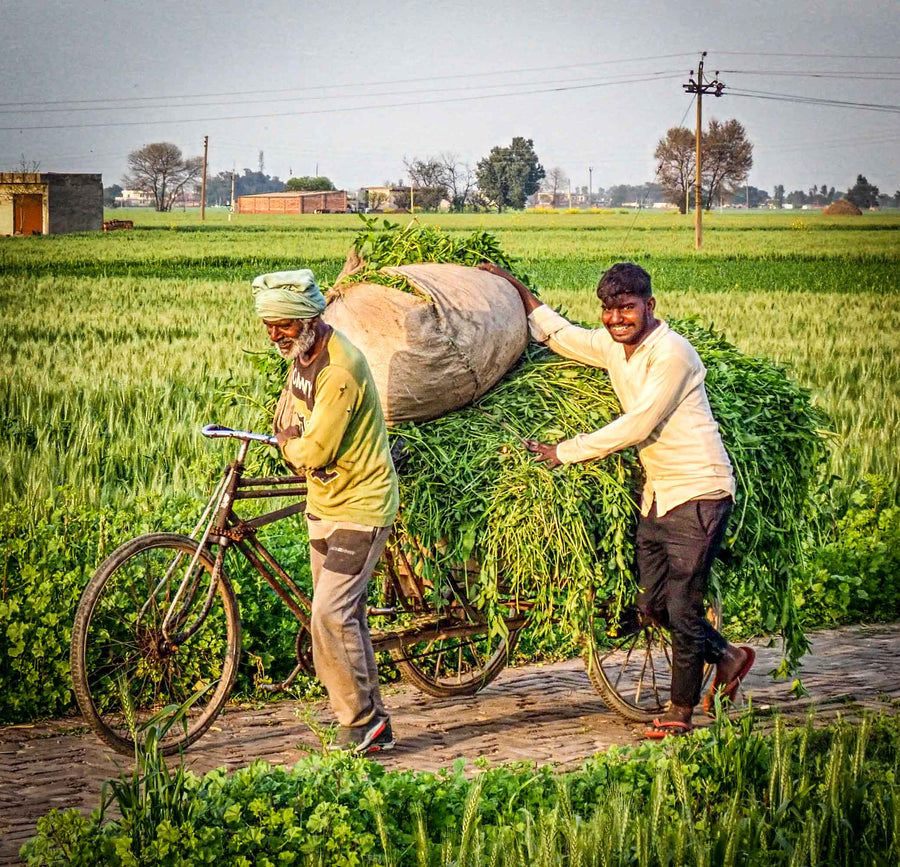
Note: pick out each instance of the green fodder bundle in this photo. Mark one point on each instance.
(562, 538)
(475, 500)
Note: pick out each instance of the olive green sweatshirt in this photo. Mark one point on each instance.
(343, 443)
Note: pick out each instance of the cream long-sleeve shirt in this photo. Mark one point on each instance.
(666, 411)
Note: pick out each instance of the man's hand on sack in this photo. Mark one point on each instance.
(543, 453)
(289, 433)
(529, 299)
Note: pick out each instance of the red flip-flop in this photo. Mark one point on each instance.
(727, 692)
(667, 729)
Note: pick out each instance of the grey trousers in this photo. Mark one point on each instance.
(343, 556)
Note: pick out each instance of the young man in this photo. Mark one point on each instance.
(689, 487)
(340, 442)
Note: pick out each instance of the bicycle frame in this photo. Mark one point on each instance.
(222, 527)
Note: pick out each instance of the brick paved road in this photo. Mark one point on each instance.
(543, 713)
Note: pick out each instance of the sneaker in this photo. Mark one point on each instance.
(373, 737)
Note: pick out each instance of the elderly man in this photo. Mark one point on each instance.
(689, 488)
(341, 443)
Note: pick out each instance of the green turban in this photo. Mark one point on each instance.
(288, 295)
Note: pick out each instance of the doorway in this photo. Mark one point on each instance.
(28, 214)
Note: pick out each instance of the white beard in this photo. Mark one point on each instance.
(301, 344)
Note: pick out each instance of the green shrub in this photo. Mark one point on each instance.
(46, 562)
(855, 575)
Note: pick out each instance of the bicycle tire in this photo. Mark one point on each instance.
(625, 698)
(117, 639)
(469, 678)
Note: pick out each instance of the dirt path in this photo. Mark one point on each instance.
(542, 713)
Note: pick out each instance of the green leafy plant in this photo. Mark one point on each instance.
(734, 793)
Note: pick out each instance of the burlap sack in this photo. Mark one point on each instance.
(434, 351)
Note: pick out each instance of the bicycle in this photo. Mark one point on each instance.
(149, 633)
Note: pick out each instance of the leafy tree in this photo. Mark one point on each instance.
(308, 183)
(252, 183)
(110, 194)
(161, 170)
(863, 194)
(218, 189)
(508, 175)
(779, 195)
(676, 156)
(752, 197)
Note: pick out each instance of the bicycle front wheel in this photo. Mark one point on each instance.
(125, 670)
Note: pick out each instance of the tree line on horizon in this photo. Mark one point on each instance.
(509, 177)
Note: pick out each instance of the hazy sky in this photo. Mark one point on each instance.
(353, 87)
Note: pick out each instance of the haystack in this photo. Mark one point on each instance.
(842, 208)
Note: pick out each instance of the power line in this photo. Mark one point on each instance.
(469, 87)
(681, 122)
(881, 75)
(812, 100)
(801, 54)
(356, 84)
(336, 110)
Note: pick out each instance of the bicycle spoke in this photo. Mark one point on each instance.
(655, 686)
(640, 680)
(474, 653)
(627, 659)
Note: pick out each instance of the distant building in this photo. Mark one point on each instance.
(135, 199)
(50, 203)
(333, 202)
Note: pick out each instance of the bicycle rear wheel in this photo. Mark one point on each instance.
(456, 665)
(123, 668)
(454, 652)
(633, 671)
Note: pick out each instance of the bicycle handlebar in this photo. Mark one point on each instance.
(216, 430)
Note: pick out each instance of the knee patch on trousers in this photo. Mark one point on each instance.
(348, 551)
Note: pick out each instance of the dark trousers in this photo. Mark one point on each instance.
(674, 556)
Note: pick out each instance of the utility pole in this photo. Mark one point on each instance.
(715, 87)
(590, 185)
(231, 209)
(203, 179)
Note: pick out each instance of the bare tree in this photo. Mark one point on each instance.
(554, 181)
(29, 167)
(427, 176)
(727, 159)
(160, 169)
(444, 173)
(676, 156)
(459, 179)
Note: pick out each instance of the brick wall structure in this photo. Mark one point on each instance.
(334, 202)
(50, 203)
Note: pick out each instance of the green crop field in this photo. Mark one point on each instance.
(115, 347)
